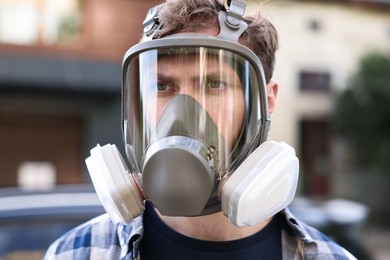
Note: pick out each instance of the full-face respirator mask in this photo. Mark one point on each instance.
(195, 122)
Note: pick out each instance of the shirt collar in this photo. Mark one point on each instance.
(130, 235)
(296, 227)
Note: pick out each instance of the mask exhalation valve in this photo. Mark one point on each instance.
(177, 177)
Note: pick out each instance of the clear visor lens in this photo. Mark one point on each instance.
(189, 91)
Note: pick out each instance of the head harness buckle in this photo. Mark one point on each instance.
(235, 11)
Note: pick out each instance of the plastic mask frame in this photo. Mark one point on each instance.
(207, 41)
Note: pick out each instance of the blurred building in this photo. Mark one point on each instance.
(60, 72)
(321, 43)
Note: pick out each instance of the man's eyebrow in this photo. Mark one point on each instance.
(163, 77)
(212, 75)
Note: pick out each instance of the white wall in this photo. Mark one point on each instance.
(346, 34)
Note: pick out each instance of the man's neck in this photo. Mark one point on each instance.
(214, 227)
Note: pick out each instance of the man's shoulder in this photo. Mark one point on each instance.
(93, 238)
(325, 245)
(309, 242)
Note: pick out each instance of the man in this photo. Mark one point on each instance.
(196, 105)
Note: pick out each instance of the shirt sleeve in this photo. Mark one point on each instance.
(95, 239)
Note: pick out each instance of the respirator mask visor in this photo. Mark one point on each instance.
(204, 99)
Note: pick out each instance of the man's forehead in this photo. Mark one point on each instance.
(189, 58)
(212, 61)
(193, 65)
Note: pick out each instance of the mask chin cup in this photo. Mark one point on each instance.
(177, 177)
(262, 185)
(117, 190)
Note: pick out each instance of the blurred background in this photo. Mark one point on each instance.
(60, 76)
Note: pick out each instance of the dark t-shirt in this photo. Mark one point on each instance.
(162, 242)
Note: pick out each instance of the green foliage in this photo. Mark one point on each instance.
(363, 112)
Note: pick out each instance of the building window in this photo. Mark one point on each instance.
(32, 22)
(314, 81)
(314, 25)
(315, 156)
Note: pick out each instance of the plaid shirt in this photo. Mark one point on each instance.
(99, 238)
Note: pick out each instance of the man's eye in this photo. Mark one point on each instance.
(215, 84)
(162, 86)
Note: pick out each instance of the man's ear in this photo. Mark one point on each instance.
(272, 92)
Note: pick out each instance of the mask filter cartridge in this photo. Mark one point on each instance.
(117, 190)
(262, 185)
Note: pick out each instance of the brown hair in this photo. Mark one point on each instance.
(194, 15)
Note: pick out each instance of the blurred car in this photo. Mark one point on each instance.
(31, 221)
(338, 218)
